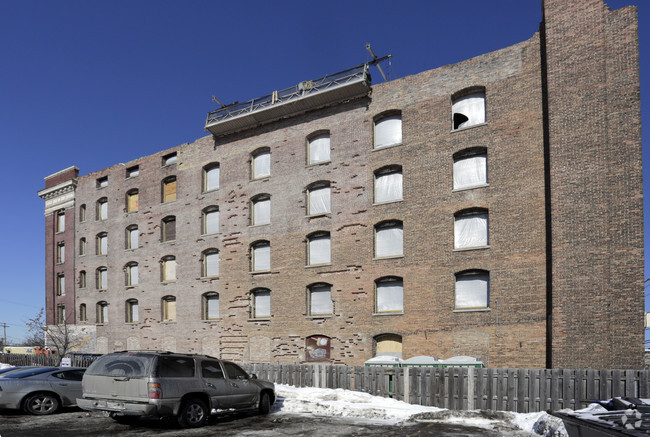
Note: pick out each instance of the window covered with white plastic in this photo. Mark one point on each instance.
(471, 228)
(319, 195)
(470, 169)
(319, 148)
(261, 256)
(388, 130)
(261, 303)
(389, 295)
(320, 300)
(388, 184)
(472, 289)
(319, 249)
(211, 262)
(389, 239)
(210, 306)
(261, 210)
(468, 110)
(261, 164)
(210, 220)
(211, 174)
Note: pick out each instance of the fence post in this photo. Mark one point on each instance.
(470, 388)
(407, 385)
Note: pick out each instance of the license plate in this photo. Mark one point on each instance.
(115, 405)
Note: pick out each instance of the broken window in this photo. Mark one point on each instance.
(468, 110)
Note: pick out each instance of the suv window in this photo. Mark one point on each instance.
(211, 369)
(175, 367)
(132, 365)
(234, 371)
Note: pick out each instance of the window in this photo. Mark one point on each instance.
(82, 279)
(82, 246)
(82, 213)
(82, 313)
(60, 221)
(132, 237)
(261, 210)
(388, 184)
(169, 159)
(388, 345)
(169, 189)
(468, 108)
(210, 306)
(131, 308)
(132, 203)
(101, 278)
(102, 244)
(318, 195)
(210, 261)
(319, 148)
(132, 172)
(389, 295)
(471, 228)
(319, 248)
(60, 284)
(260, 256)
(389, 239)
(470, 168)
(60, 252)
(210, 220)
(388, 130)
(211, 177)
(131, 274)
(169, 309)
(168, 228)
(102, 313)
(261, 164)
(60, 314)
(102, 209)
(168, 267)
(261, 305)
(102, 182)
(320, 300)
(211, 370)
(472, 289)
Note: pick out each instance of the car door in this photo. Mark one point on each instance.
(243, 392)
(215, 384)
(67, 384)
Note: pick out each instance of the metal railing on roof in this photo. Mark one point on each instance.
(303, 89)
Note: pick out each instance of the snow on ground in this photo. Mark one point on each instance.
(4, 366)
(358, 405)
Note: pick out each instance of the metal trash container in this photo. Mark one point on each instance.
(463, 361)
(422, 361)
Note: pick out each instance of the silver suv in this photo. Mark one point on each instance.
(128, 385)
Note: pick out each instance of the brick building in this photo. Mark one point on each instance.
(490, 208)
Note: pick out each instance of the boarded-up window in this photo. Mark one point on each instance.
(169, 309)
(169, 190)
(60, 221)
(102, 313)
(169, 228)
(132, 313)
(132, 237)
(169, 269)
(102, 278)
(132, 274)
(388, 345)
(132, 203)
(388, 185)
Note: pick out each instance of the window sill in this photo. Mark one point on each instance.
(131, 323)
(131, 287)
(321, 316)
(458, 190)
(316, 164)
(379, 258)
(261, 178)
(258, 225)
(211, 320)
(259, 319)
(169, 202)
(168, 322)
(467, 249)
(392, 313)
(210, 191)
(210, 277)
(168, 282)
(472, 310)
(131, 248)
(469, 127)
(210, 234)
(389, 146)
(168, 241)
(131, 212)
(311, 266)
(261, 272)
(388, 202)
(321, 214)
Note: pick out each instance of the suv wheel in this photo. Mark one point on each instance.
(265, 403)
(193, 413)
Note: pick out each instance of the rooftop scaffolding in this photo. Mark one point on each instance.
(327, 90)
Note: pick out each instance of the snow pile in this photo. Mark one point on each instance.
(4, 366)
(358, 405)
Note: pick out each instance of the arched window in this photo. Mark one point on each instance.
(169, 159)
(389, 239)
(388, 345)
(83, 317)
(131, 274)
(60, 284)
(82, 279)
(131, 311)
(132, 237)
(169, 189)
(82, 246)
(388, 184)
(101, 278)
(261, 163)
(260, 303)
(470, 168)
(210, 261)
(319, 198)
(319, 299)
(168, 268)
(132, 202)
(168, 228)
(471, 228)
(60, 252)
(261, 210)
(102, 313)
(211, 174)
(82, 213)
(388, 129)
(210, 220)
(168, 309)
(468, 107)
(472, 289)
(389, 295)
(210, 306)
(260, 256)
(101, 243)
(319, 249)
(318, 147)
(60, 221)
(101, 209)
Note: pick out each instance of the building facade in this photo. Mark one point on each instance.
(490, 208)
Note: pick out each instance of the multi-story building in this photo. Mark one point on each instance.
(490, 208)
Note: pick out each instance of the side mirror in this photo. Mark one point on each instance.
(252, 376)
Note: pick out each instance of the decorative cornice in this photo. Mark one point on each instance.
(60, 196)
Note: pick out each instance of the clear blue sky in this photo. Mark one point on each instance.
(94, 83)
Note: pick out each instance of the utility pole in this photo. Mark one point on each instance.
(4, 334)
